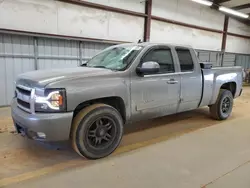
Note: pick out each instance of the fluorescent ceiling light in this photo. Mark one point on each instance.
(231, 11)
(204, 2)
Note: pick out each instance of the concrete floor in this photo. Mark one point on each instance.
(186, 150)
(217, 156)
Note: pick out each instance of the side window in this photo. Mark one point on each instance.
(163, 57)
(185, 59)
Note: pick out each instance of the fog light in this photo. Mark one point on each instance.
(41, 135)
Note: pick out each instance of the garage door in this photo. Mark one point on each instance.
(16, 57)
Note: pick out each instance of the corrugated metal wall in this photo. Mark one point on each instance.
(19, 54)
(215, 58)
(16, 56)
(88, 50)
(56, 53)
(208, 56)
(243, 60)
(229, 60)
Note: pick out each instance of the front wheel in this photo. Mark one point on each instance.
(222, 109)
(96, 131)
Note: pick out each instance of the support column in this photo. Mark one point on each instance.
(147, 24)
(80, 54)
(224, 39)
(36, 52)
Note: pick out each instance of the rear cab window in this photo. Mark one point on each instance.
(185, 59)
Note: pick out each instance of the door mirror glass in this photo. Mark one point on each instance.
(149, 67)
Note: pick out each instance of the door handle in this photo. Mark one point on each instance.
(172, 81)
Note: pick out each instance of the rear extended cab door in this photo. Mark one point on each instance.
(191, 79)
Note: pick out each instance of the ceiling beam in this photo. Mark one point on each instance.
(216, 3)
(220, 1)
(239, 7)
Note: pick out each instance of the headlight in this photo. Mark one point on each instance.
(53, 101)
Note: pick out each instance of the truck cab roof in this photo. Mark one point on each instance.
(155, 44)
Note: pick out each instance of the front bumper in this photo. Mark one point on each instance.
(55, 126)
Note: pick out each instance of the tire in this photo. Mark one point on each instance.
(218, 110)
(95, 123)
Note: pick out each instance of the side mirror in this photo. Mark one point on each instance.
(148, 67)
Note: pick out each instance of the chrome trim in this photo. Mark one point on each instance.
(24, 87)
(164, 74)
(26, 98)
(188, 72)
(32, 101)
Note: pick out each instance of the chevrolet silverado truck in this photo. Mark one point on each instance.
(90, 104)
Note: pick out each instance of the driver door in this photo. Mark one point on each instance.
(157, 94)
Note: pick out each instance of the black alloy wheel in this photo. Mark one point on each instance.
(96, 131)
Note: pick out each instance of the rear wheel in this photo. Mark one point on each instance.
(222, 109)
(96, 131)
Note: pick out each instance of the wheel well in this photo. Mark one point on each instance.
(231, 86)
(116, 102)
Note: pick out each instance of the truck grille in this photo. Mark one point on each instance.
(24, 104)
(24, 98)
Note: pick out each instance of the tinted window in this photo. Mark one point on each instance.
(163, 57)
(186, 61)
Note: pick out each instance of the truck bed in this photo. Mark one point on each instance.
(214, 78)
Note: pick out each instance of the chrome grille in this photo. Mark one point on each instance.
(24, 98)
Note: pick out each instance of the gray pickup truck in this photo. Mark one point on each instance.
(90, 104)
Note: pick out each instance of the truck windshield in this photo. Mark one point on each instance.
(115, 58)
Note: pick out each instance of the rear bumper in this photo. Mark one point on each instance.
(55, 126)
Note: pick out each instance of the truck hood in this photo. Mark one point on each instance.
(41, 78)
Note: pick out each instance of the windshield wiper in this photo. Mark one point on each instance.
(85, 65)
(99, 67)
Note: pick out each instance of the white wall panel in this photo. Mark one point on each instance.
(170, 33)
(29, 15)
(76, 20)
(237, 45)
(88, 22)
(126, 28)
(235, 26)
(188, 12)
(53, 17)
(133, 5)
